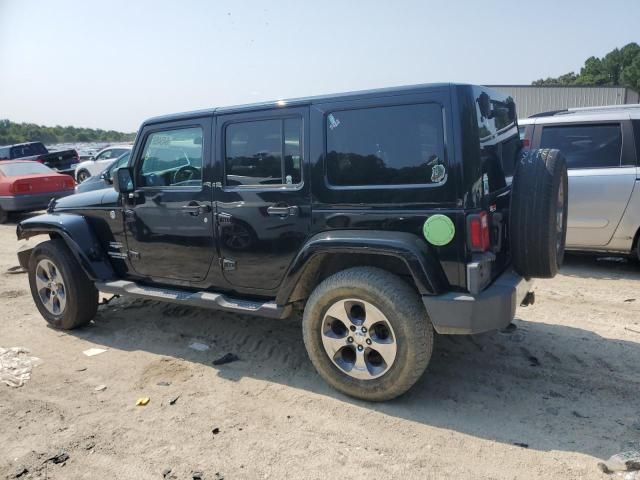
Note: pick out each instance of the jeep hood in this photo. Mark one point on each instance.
(106, 197)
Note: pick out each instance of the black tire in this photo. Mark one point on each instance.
(4, 216)
(81, 296)
(404, 311)
(82, 176)
(538, 215)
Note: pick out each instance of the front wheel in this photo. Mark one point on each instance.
(82, 176)
(367, 333)
(61, 290)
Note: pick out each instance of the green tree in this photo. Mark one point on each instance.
(11, 132)
(618, 67)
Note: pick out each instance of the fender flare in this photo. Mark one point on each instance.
(427, 273)
(76, 233)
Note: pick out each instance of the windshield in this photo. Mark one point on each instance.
(23, 168)
(120, 162)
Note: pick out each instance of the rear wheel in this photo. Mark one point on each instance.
(82, 176)
(61, 290)
(367, 333)
(539, 213)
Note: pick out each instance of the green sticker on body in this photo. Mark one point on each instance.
(439, 230)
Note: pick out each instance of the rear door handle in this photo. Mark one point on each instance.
(195, 208)
(283, 211)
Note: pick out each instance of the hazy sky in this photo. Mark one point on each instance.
(110, 64)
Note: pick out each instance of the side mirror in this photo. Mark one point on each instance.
(123, 180)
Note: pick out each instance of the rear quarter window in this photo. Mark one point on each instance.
(381, 146)
(636, 134)
(585, 146)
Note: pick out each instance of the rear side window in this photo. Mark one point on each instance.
(585, 146)
(636, 133)
(264, 152)
(396, 145)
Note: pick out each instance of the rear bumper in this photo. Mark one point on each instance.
(492, 309)
(30, 201)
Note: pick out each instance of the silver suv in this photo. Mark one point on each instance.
(602, 148)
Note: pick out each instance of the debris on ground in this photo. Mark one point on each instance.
(509, 328)
(15, 270)
(82, 369)
(20, 471)
(226, 358)
(143, 401)
(631, 330)
(533, 361)
(520, 444)
(100, 388)
(58, 458)
(200, 347)
(578, 414)
(630, 300)
(215, 431)
(92, 352)
(612, 259)
(166, 473)
(197, 475)
(15, 366)
(163, 384)
(621, 462)
(174, 400)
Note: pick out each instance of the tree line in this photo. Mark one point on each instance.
(11, 132)
(619, 67)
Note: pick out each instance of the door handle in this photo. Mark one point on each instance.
(195, 208)
(283, 211)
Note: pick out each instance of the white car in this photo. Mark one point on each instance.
(100, 162)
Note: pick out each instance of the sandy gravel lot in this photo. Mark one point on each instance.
(564, 384)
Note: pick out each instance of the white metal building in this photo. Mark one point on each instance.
(531, 99)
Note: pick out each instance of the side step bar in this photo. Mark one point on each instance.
(216, 301)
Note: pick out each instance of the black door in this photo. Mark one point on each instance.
(263, 201)
(169, 218)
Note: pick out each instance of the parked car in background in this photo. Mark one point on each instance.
(63, 161)
(102, 160)
(602, 148)
(28, 186)
(104, 179)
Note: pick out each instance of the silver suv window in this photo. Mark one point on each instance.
(586, 146)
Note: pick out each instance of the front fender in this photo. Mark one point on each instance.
(425, 269)
(77, 234)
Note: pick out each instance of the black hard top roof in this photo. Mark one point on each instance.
(404, 90)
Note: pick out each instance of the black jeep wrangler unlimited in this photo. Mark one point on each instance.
(384, 215)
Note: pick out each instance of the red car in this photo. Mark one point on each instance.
(26, 186)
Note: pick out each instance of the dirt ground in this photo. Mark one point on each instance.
(547, 400)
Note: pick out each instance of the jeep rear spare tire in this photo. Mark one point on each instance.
(367, 333)
(538, 215)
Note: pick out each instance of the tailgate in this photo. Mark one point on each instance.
(63, 160)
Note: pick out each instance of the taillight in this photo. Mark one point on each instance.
(478, 232)
(526, 143)
(40, 159)
(20, 188)
(69, 183)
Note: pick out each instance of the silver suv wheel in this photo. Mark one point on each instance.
(359, 339)
(50, 287)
